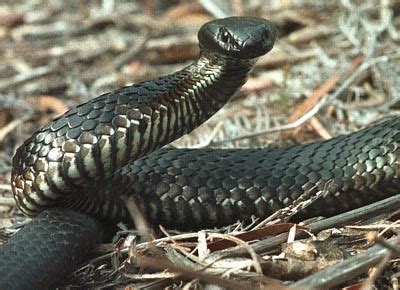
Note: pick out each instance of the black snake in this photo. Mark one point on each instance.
(75, 171)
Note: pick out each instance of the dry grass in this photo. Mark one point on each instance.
(336, 66)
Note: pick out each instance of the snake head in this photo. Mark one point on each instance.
(238, 37)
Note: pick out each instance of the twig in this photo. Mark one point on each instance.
(5, 186)
(145, 245)
(246, 246)
(309, 33)
(384, 243)
(297, 205)
(215, 9)
(209, 137)
(323, 90)
(132, 52)
(314, 110)
(346, 270)
(153, 276)
(10, 83)
(280, 58)
(162, 264)
(139, 219)
(375, 227)
(320, 129)
(384, 206)
(11, 126)
(7, 201)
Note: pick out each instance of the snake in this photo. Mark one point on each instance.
(75, 175)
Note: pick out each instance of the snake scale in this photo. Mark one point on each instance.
(74, 173)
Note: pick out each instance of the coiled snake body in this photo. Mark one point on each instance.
(76, 169)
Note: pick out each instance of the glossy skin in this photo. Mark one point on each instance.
(238, 37)
(95, 154)
(197, 188)
(62, 164)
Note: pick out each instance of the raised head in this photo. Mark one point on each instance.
(237, 37)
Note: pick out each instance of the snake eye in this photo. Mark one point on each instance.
(225, 37)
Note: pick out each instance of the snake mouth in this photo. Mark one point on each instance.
(238, 37)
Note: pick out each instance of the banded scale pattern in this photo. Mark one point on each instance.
(80, 161)
(63, 162)
(61, 167)
(210, 187)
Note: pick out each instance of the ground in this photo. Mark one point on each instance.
(334, 69)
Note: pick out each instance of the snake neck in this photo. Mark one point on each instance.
(69, 156)
(219, 75)
(201, 89)
(232, 70)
